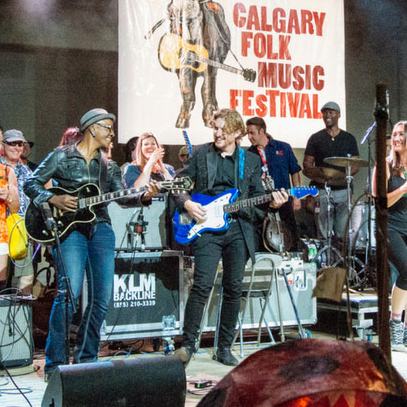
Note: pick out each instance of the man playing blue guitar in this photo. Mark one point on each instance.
(88, 245)
(215, 168)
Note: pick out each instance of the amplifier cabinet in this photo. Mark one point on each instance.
(301, 279)
(16, 345)
(147, 298)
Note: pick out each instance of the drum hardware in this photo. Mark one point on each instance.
(350, 164)
(328, 249)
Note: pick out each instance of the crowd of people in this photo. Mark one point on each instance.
(268, 166)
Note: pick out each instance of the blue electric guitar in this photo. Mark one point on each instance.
(218, 209)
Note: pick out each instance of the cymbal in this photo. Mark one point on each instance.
(346, 161)
(325, 174)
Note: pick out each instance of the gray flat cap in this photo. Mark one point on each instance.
(94, 116)
(332, 106)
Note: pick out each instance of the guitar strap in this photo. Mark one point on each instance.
(242, 156)
(265, 168)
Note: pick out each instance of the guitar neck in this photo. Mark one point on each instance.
(180, 184)
(108, 197)
(216, 64)
(246, 203)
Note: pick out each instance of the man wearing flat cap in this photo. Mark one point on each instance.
(331, 142)
(86, 244)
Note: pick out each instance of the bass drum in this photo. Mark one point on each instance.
(276, 235)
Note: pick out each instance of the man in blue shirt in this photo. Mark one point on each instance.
(280, 164)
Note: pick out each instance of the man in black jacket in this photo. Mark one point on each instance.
(88, 245)
(215, 168)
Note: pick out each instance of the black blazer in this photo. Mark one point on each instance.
(201, 168)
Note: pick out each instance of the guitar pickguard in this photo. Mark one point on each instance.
(186, 229)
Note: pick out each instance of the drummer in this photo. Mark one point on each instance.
(331, 142)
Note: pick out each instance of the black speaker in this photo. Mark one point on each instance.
(139, 382)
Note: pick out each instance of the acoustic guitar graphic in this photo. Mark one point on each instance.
(174, 54)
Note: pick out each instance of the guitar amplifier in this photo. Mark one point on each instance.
(154, 217)
(147, 298)
(16, 345)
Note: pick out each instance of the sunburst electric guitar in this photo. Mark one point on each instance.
(218, 209)
(88, 196)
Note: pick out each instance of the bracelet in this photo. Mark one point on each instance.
(9, 199)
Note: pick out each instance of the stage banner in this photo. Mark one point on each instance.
(180, 60)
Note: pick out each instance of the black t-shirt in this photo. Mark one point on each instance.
(225, 172)
(321, 145)
(397, 217)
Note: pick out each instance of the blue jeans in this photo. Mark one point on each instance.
(95, 254)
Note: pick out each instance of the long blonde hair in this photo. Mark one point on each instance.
(140, 160)
(394, 159)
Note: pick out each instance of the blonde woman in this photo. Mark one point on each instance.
(397, 230)
(148, 164)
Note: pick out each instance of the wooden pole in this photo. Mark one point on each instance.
(381, 222)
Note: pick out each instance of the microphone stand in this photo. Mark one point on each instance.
(51, 225)
(368, 191)
(140, 227)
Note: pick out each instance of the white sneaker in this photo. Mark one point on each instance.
(397, 336)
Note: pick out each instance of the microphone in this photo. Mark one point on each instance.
(48, 217)
(140, 228)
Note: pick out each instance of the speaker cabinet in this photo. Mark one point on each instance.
(147, 382)
(147, 298)
(16, 347)
(156, 230)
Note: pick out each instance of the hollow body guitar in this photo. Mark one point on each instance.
(218, 209)
(88, 196)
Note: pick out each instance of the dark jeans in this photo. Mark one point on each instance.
(77, 249)
(209, 248)
(397, 247)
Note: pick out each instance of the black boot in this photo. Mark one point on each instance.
(224, 355)
(185, 353)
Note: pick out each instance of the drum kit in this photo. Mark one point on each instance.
(331, 177)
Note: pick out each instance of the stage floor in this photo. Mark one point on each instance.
(202, 367)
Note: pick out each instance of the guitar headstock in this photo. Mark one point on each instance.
(177, 184)
(301, 192)
(249, 75)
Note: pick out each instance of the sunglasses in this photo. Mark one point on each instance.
(110, 128)
(14, 143)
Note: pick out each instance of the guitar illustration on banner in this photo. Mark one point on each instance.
(88, 196)
(218, 209)
(174, 54)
